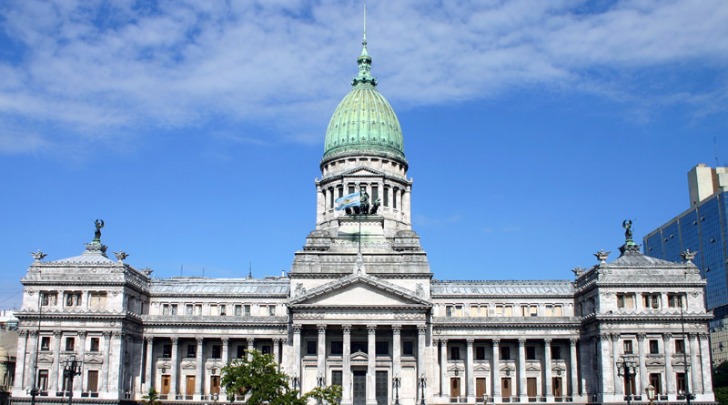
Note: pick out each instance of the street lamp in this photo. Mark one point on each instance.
(650, 391)
(423, 385)
(395, 384)
(71, 368)
(628, 369)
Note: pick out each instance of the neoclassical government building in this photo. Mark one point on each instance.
(360, 308)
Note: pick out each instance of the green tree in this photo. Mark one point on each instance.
(152, 398)
(258, 379)
(721, 395)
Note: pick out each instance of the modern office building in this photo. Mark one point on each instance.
(360, 308)
(702, 228)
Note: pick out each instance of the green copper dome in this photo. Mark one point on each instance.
(364, 121)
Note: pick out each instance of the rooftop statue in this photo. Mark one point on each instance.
(99, 223)
(627, 225)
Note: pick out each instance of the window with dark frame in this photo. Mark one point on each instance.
(45, 343)
(167, 351)
(94, 344)
(479, 352)
(654, 347)
(216, 351)
(337, 348)
(505, 353)
(408, 348)
(70, 344)
(454, 353)
(530, 352)
(311, 347)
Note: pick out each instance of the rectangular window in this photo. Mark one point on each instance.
(94, 344)
(555, 352)
(265, 349)
(479, 352)
(97, 299)
(191, 351)
(505, 353)
(656, 381)
(454, 353)
(49, 298)
(246, 310)
(337, 348)
(173, 309)
(654, 347)
(454, 311)
(165, 309)
(271, 310)
(223, 310)
(92, 381)
(216, 351)
(625, 300)
(480, 311)
(241, 351)
(188, 309)
(73, 299)
(382, 348)
(674, 300)
(198, 309)
(395, 191)
(504, 310)
(70, 344)
(336, 377)
(627, 346)
(167, 351)
(238, 310)
(45, 343)
(680, 380)
(311, 347)
(530, 310)
(359, 346)
(43, 380)
(651, 301)
(408, 348)
(530, 352)
(386, 196)
(558, 310)
(679, 346)
(214, 310)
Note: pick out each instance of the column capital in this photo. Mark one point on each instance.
(225, 340)
(641, 336)
(442, 341)
(521, 341)
(106, 334)
(372, 329)
(496, 342)
(150, 340)
(573, 341)
(276, 340)
(81, 333)
(57, 333)
(251, 341)
(199, 340)
(32, 333)
(321, 328)
(175, 340)
(602, 336)
(547, 341)
(297, 328)
(421, 329)
(346, 328)
(667, 336)
(470, 341)
(396, 329)
(614, 336)
(22, 333)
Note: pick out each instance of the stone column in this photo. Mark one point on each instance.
(396, 350)
(547, 369)
(56, 379)
(105, 365)
(574, 370)
(346, 366)
(371, 363)
(225, 350)
(669, 375)
(32, 375)
(321, 353)
(148, 376)
(695, 377)
(297, 354)
(251, 347)
(469, 373)
(175, 368)
(443, 368)
(705, 363)
(421, 343)
(121, 342)
(277, 351)
(496, 371)
(618, 382)
(20, 368)
(200, 380)
(643, 370)
(604, 357)
(522, 391)
(78, 382)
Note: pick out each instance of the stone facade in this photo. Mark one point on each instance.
(360, 308)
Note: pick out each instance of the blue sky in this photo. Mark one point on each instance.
(195, 129)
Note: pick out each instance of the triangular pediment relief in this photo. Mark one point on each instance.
(359, 356)
(359, 290)
(362, 171)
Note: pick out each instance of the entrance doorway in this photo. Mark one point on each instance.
(166, 380)
(479, 389)
(382, 387)
(190, 386)
(506, 389)
(531, 388)
(558, 389)
(360, 387)
(454, 388)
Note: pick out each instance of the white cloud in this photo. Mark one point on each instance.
(109, 68)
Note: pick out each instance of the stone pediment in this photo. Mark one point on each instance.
(363, 171)
(359, 290)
